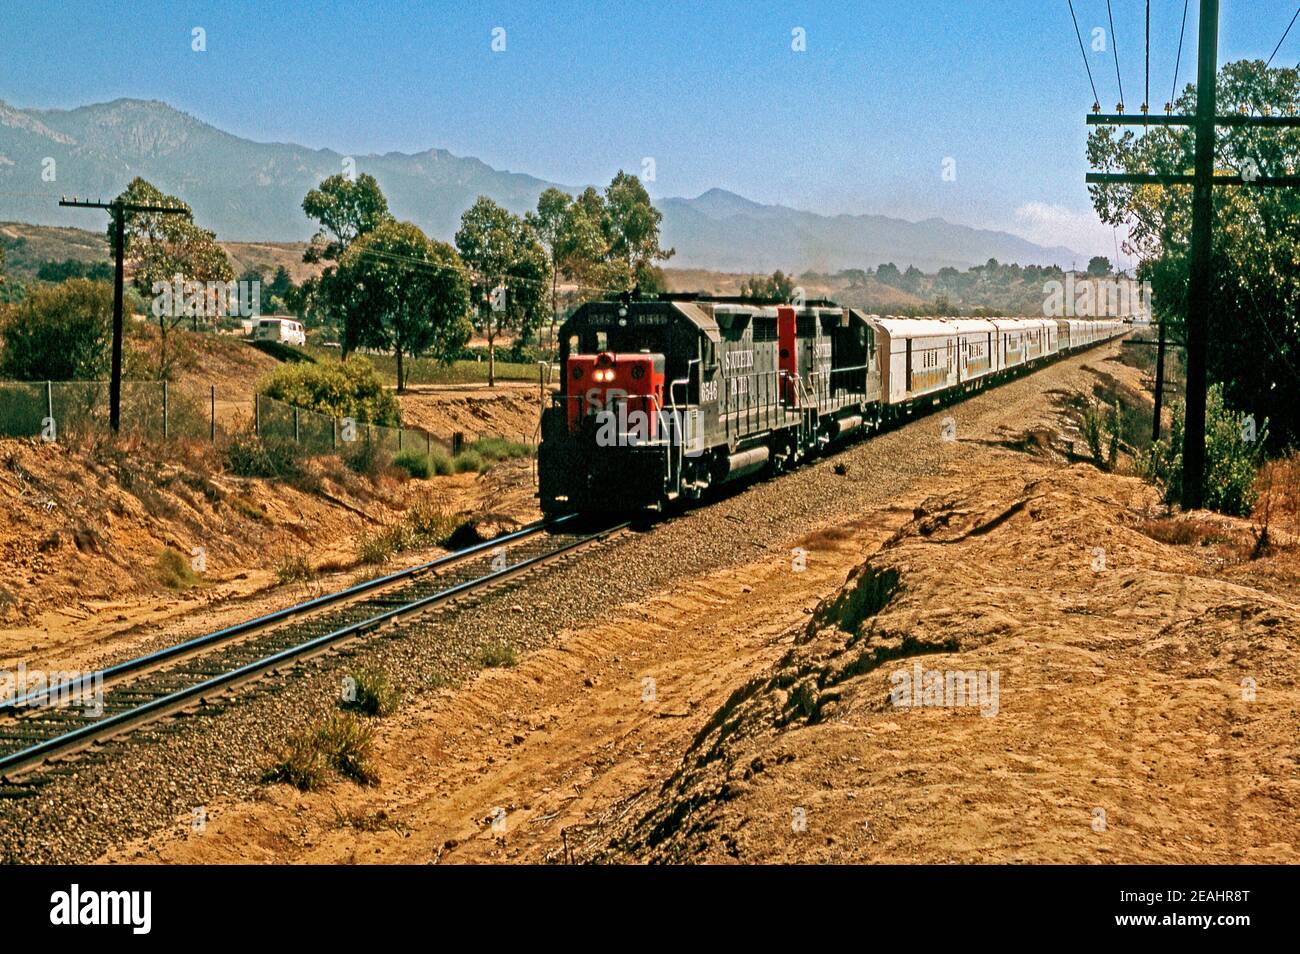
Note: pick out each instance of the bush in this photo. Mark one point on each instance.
(174, 571)
(302, 763)
(293, 569)
(417, 465)
(469, 460)
(248, 455)
(1231, 460)
(59, 333)
(348, 745)
(368, 458)
(500, 655)
(499, 448)
(342, 742)
(375, 696)
(431, 523)
(379, 547)
(335, 388)
(440, 462)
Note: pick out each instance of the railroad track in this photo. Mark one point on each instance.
(195, 672)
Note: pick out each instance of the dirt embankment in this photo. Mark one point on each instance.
(511, 409)
(1020, 674)
(84, 531)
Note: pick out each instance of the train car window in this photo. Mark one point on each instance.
(602, 341)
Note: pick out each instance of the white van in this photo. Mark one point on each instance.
(280, 329)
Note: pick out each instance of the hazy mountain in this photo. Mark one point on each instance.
(249, 191)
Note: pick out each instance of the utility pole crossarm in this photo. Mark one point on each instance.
(1145, 178)
(1236, 119)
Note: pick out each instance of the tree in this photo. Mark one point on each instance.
(582, 251)
(632, 230)
(779, 287)
(511, 271)
(160, 249)
(912, 278)
(889, 274)
(1255, 323)
(402, 291)
(1099, 266)
(59, 333)
(548, 222)
(346, 209)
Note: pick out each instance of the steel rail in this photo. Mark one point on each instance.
(36, 698)
(113, 725)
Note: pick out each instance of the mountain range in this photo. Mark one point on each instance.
(250, 191)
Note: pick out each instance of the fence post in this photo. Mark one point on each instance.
(212, 428)
(399, 438)
(257, 413)
(334, 433)
(49, 400)
(457, 442)
(295, 425)
(166, 429)
(428, 444)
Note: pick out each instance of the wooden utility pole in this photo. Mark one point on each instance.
(118, 209)
(1203, 180)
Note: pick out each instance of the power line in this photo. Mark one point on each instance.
(1096, 100)
(1173, 91)
(1283, 40)
(1114, 48)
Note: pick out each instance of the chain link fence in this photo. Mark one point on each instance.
(319, 433)
(154, 410)
(74, 409)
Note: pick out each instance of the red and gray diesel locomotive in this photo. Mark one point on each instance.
(660, 400)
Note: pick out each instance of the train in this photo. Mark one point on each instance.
(662, 399)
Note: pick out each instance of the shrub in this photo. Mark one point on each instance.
(59, 333)
(417, 465)
(335, 388)
(1231, 460)
(302, 763)
(469, 460)
(499, 448)
(380, 546)
(440, 462)
(293, 569)
(499, 655)
(368, 458)
(431, 523)
(174, 571)
(348, 745)
(248, 455)
(342, 742)
(375, 696)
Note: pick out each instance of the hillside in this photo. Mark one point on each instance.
(27, 246)
(252, 191)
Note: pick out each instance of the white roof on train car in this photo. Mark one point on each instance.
(938, 327)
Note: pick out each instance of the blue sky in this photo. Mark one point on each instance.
(861, 121)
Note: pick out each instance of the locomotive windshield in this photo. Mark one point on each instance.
(619, 339)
